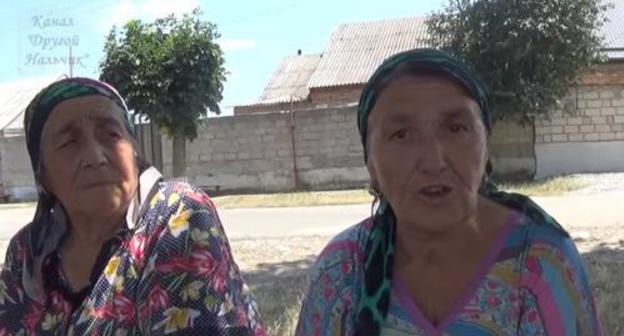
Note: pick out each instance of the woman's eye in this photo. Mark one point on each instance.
(399, 135)
(67, 143)
(113, 134)
(456, 128)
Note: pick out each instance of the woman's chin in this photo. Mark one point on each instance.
(437, 219)
(102, 201)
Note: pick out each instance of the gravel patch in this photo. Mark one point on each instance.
(602, 183)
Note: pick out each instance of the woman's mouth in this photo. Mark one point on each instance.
(435, 194)
(97, 184)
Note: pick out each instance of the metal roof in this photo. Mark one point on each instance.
(356, 50)
(613, 31)
(14, 98)
(290, 81)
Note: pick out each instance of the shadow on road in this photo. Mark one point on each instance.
(605, 266)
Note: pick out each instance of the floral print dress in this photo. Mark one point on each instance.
(171, 272)
(533, 282)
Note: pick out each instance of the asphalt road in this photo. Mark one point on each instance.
(575, 211)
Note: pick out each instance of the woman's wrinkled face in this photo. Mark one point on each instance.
(88, 157)
(427, 150)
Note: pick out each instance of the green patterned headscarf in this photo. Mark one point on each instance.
(374, 298)
(40, 108)
(429, 62)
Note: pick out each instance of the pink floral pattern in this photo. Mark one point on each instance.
(549, 296)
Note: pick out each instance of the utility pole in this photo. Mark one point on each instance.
(71, 63)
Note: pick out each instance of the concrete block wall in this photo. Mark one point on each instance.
(329, 151)
(254, 152)
(586, 135)
(594, 113)
(512, 150)
(242, 153)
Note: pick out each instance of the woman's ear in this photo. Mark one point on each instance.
(373, 181)
(139, 161)
(42, 184)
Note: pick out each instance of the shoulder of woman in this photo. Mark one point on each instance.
(557, 275)
(177, 207)
(18, 246)
(545, 235)
(344, 254)
(550, 250)
(335, 280)
(170, 196)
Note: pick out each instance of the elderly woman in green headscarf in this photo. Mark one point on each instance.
(444, 252)
(113, 248)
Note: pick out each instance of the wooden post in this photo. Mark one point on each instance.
(293, 147)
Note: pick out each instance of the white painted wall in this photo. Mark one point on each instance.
(15, 169)
(579, 157)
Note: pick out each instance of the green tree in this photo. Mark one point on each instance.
(171, 70)
(529, 52)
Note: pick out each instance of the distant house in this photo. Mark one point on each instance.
(16, 176)
(14, 98)
(355, 50)
(336, 77)
(586, 135)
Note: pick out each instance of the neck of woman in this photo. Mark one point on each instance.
(83, 245)
(425, 249)
(90, 233)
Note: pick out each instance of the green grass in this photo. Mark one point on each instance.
(299, 199)
(556, 186)
(8, 206)
(606, 272)
(547, 187)
(280, 303)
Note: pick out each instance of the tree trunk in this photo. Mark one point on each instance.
(156, 146)
(179, 155)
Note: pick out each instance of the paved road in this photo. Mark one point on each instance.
(574, 212)
(243, 223)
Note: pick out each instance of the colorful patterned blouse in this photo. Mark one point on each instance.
(532, 283)
(170, 271)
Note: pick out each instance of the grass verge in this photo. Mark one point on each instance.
(547, 187)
